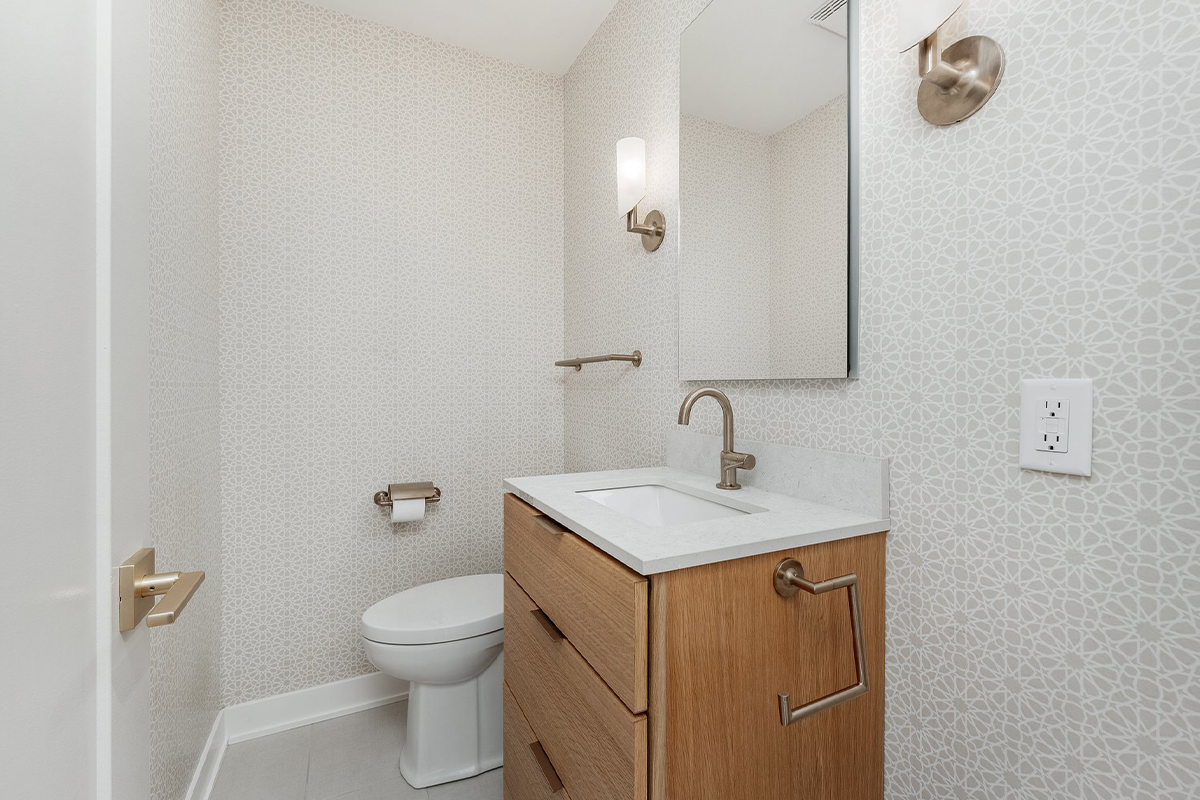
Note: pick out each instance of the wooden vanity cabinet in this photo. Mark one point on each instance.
(667, 687)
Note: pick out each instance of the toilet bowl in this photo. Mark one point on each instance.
(446, 638)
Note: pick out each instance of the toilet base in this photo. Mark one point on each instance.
(454, 730)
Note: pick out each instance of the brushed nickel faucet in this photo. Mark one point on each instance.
(731, 461)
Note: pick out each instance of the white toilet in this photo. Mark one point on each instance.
(447, 639)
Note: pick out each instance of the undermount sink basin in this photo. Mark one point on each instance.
(655, 504)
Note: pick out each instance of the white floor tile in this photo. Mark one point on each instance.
(394, 789)
(355, 757)
(488, 786)
(356, 751)
(271, 768)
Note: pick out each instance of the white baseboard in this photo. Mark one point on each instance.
(244, 721)
(314, 704)
(210, 761)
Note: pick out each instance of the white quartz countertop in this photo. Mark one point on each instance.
(777, 522)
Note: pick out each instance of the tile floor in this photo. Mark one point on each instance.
(349, 758)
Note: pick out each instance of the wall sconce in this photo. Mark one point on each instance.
(631, 189)
(954, 84)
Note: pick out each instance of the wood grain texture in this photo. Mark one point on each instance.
(656, 714)
(596, 743)
(523, 778)
(598, 603)
(724, 645)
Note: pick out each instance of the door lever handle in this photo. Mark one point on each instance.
(176, 589)
(139, 584)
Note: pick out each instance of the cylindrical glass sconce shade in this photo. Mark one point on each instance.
(631, 173)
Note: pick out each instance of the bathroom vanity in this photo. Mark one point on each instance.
(648, 653)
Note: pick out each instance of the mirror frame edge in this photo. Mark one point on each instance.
(853, 49)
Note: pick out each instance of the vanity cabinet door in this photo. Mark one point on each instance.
(598, 603)
(725, 645)
(596, 744)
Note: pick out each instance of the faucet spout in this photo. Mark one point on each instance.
(731, 460)
(685, 411)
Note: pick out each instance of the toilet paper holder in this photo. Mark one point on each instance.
(408, 491)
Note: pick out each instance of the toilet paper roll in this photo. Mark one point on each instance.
(408, 510)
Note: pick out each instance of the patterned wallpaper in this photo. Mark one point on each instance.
(1043, 638)
(391, 309)
(185, 485)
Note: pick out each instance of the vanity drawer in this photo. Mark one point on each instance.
(596, 744)
(526, 777)
(598, 603)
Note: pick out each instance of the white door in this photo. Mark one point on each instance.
(74, 440)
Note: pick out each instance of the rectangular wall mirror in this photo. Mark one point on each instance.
(768, 279)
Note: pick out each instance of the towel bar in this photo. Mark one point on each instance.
(789, 578)
(634, 358)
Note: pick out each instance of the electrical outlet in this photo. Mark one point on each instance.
(1056, 425)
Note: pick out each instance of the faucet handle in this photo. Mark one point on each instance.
(731, 462)
(739, 460)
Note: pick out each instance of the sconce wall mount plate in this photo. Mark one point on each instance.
(653, 229)
(962, 81)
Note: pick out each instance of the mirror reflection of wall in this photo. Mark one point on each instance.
(764, 191)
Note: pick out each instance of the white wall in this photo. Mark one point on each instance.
(391, 308)
(47, 398)
(1042, 638)
(123, 387)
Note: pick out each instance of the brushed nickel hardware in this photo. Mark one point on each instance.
(958, 82)
(653, 230)
(408, 491)
(634, 358)
(548, 769)
(548, 625)
(789, 578)
(549, 526)
(731, 460)
(955, 83)
(138, 584)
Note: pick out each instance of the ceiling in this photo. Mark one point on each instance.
(543, 34)
(760, 65)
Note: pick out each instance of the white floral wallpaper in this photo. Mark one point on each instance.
(393, 236)
(1043, 634)
(185, 484)
(392, 223)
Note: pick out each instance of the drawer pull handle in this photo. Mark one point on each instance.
(550, 526)
(548, 625)
(789, 577)
(548, 769)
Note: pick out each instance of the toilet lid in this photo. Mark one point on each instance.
(443, 611)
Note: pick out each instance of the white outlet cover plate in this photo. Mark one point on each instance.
(1034, 394)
